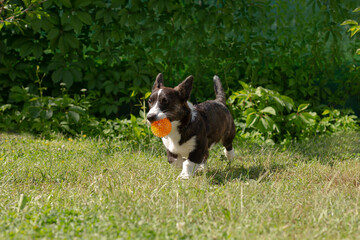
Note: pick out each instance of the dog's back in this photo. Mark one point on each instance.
(218, 120)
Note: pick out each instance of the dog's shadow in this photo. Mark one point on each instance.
(239, 172)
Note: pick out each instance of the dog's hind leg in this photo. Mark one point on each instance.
(230, 154)
(202, 165)
(229, 150)
(227, 142)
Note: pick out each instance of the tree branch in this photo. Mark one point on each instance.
(13, 18)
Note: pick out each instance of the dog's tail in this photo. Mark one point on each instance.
(219, 91)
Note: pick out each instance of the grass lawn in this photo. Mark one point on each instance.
(95, 189)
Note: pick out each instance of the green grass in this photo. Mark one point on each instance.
(95, 189)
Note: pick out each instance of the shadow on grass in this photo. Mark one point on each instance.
(257, 173)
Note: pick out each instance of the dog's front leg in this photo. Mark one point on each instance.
(193, 162)
(189, 168)
(174, 159)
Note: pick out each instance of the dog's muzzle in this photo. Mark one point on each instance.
(151, 117)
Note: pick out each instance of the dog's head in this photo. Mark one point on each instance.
(171, 103)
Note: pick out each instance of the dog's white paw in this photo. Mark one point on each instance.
(188, 170)
(229, 154)
(183, 176)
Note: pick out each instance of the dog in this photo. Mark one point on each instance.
(195, 128)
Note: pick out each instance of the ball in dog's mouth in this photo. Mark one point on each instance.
(161, 128)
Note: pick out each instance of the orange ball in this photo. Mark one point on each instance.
(161, 128)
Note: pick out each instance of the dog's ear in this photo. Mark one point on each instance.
(185, 88)
(159, 82)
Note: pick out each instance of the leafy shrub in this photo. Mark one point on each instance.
(115, 48)
(334, 121)
(43, 114)
(355, 27)
(70, 116)
(260, 114)
(265, 115)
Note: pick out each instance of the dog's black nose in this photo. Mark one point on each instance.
(151, 117)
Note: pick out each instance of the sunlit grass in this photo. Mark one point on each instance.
(95, 188)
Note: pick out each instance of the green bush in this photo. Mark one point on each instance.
(115, 48)
(261, 115)
(267, 116)
(44, 114)
(354, 28)
(48, 116)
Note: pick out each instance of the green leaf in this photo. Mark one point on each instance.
(26, 49)
(350, 21)
(85, 17)
(110, 109)
(68, 78)
(326, 112)
(46, 114)
(147, 95)
(272, 124)
(76, 24)
(305, 118)
(57, 75)
(292, 116)
(107, 19)
(71, 41)
(358, 51)
(251, 120)
(357, 9)
(65, 125)
(82, 3)
(310, 115)
(262, 125)
(34, 111)
(74, 115)
(53, 33)
(244, 85)
(17, 94)
(37, 50)
(354, 30)
(249, 111)
(109, 89)
(76, 74)
(62, 45)
(259, 91)
(3, 108)
(100, 14)
(289, 103)
(279, 101)
(302, 107)
(265, 123)
(66, 3)
(77, 109)
(269, 110)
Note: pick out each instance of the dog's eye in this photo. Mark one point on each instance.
(163, 101)
(149, 101)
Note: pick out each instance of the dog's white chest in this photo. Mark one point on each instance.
(171, 142)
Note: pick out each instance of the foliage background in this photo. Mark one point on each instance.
(113, 49)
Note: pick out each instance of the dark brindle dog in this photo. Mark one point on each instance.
(194, 128)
